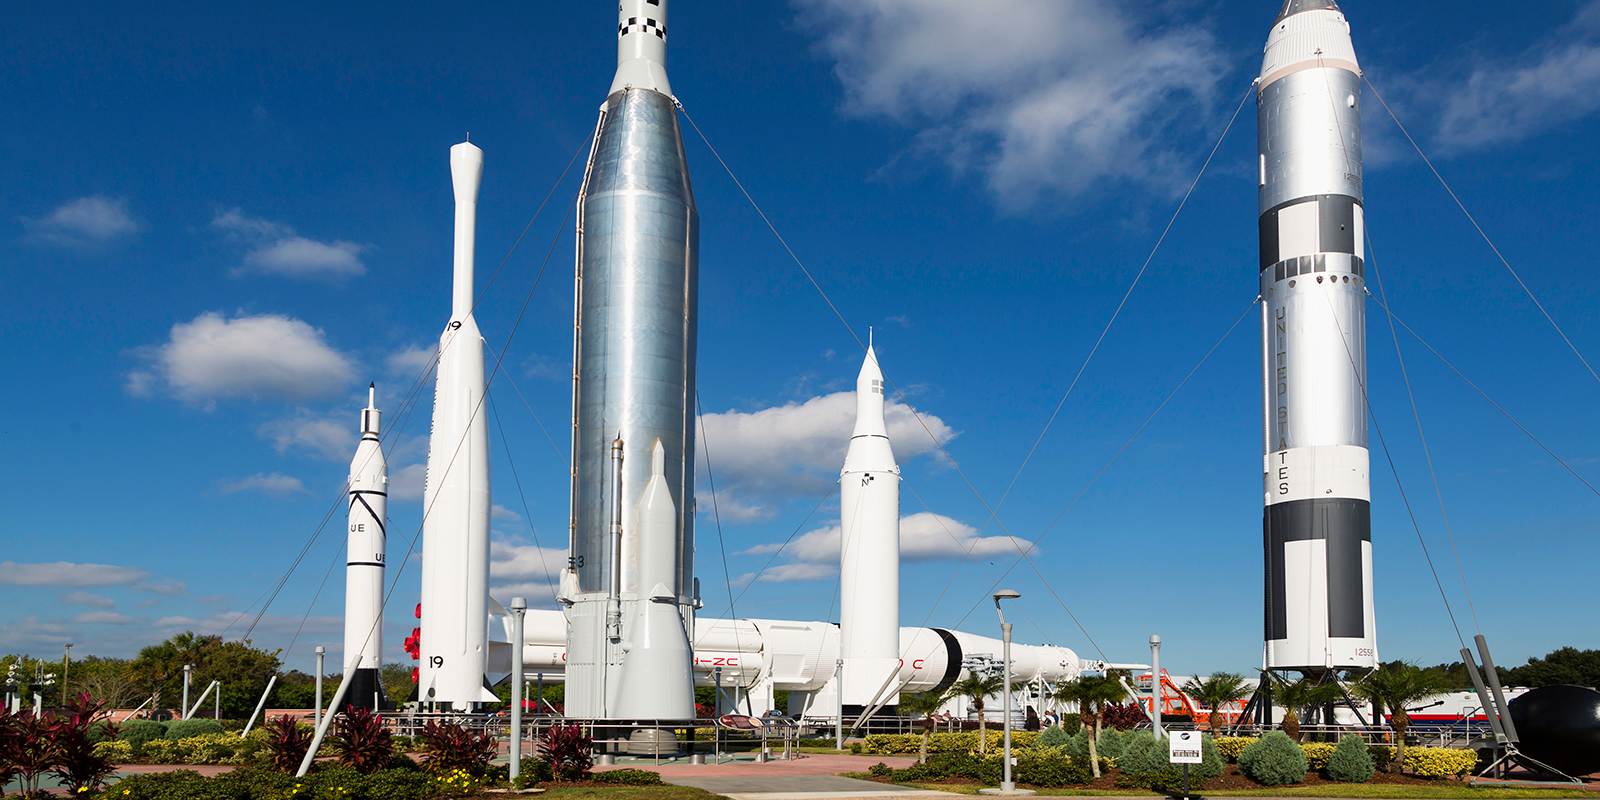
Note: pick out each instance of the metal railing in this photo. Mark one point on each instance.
(614, 737)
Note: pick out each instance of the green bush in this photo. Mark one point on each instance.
(880, 770)
(1317, 754)
(1232, 746)
(1145, 765)
(951, 765)
(535, 770)
(256, 783)
(1077, 745)
(628, 777)
(1049, 767)
(180, 729)
(1071, 723)
(1350, 762)
(1053, 736)
(856, 748)
(102, 732)
(1211, 765)
(115, 752)
(137, 732)
(962, 742)
(1274, 760)
(160, 751)
(1112, 742)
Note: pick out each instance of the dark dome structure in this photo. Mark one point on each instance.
(1560, 726)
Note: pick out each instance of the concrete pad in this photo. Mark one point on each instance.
(798, 787)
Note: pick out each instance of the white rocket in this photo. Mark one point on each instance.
(1317, 520)
(869, 562)
(363, 575)
(658, 676)
(455, 504)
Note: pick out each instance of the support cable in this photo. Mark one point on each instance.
(517, 480)
(1479, 228)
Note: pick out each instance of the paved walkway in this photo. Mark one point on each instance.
(820, 764)
(798, 787)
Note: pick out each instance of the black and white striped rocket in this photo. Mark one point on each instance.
(1317, 521)
(363, 574)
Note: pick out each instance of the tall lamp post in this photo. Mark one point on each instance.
(1007, 786)
(66, 666)
(519, 607)
(316, 714)
(1155, 685)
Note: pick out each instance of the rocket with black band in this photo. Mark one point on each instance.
(363, 573)
(1317, 516)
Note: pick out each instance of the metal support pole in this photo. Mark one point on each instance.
(260, 704)
(838, 692)
(1502, 708)
(188, 670)
(216, 703)
(1155, 685)
(519, 607)
(322, 726)
(316, 716)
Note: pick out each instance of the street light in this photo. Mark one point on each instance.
(1007, 786)
(316, 714)
(519, 607)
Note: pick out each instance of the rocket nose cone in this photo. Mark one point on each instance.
(1293, 7)
(466, 170)
(658, 459)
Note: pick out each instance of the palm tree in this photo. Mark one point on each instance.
(1216, 691)
(1296, 696)
(1394, 686)
(925, 704)
(976, 687)
(1091, 694)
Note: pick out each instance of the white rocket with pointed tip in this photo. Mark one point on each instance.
(363, 576)
(455, 502)
(869, 566)
(658, 679)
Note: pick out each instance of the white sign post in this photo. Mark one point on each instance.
(1183, 747)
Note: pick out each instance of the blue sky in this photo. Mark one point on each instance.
(220, 224)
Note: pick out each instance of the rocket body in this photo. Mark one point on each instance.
(1317, 517)
(363, 583)
(634, 368)
(869, 560)
(455, 528)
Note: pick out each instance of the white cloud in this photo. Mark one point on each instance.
(248, 357)
(1041, 96)
(278, 250)
(547, 368)
(68, 574)
(797, 449)
(84, 221)
(270, 627)
(785, 573)
(524, 570)
(407, 483)
(275, 483)
(33, 634)
(332, 437)
(89, 599)
(166, 587)
(1508, 100)
(503, 513)
(104, 618)
(411, 361)
(923, 537)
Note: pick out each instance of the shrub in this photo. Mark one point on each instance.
(1110, 744)
(77, 763)
(1439, 762)
(458, 782)
(1317, 754)
(1077, 745)
(1049, 767)
(1123, 716)
(628, 777)
(535, 770)
(952, 765)
(365, 746)
(944, 742)
(1071, 723)
(287, 743)
(1350, 762)
(1053, 736)
(1232, 746)
(160, 751)
(856, 748)
(880, 770)
(119, 752)
(211, 748)
(104, 731)
(1211, 763)
(1274, 760)
(452, 747)
(137, 732)
(569, 751)
(186, 728)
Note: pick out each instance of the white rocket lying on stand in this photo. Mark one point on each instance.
(363, 575)
(455, 501)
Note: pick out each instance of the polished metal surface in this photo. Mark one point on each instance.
(1318, 351)
(1308, 129)
(636, 332)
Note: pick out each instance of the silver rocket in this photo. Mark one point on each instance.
(633, 382)
(455, 500)
(363, 575)
(1317, 521)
